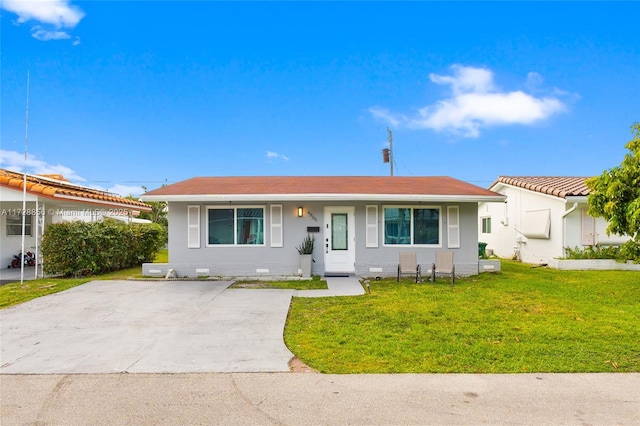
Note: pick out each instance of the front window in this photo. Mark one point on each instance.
(411, 226)
(236, 226)
(14, 225)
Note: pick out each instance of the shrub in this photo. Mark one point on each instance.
(631, 251)
(89, 248)
(594, 252)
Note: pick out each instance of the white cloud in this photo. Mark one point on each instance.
(466, 79)
(58, 13)
(476, 103)
(275, 156)
(383, 114)
(52, 16)
(533, 80)
(41, 34)
(14, 161)
(125, 190)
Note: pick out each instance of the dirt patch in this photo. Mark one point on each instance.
(297, 366)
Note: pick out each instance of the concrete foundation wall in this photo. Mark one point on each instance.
(592, 265)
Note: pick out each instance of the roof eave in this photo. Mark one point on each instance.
(323, 197)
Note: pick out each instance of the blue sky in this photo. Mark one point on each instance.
(130, 94)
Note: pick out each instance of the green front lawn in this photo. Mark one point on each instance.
(524, 319)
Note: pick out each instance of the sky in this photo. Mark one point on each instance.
(125, 95)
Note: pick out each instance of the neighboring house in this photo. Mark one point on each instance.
(51, 199)
(541, 216)
(251, 226)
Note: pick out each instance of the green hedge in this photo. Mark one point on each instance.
(90, 248)
(630, 250)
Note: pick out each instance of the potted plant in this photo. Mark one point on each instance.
(306, 250)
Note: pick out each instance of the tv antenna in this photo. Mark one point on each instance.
(24, 188)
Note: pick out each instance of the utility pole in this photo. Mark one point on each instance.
(390, 151)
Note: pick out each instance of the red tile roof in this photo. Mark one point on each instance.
(49, 187)
(559, 186)
(319, 185)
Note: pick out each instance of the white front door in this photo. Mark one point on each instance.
(339, 240)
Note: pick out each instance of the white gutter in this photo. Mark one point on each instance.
(577, 199)
(324, 197)
(571, 210)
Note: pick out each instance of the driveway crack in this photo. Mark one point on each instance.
(126, 370)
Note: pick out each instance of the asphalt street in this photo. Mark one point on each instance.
(318, 399)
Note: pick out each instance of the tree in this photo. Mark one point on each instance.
(158, 213)
(615, 196)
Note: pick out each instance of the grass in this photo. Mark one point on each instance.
(313, 284)
(523, 319)
(14, 293)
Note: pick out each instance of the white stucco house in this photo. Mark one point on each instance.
(50, 199)
(251, 226)
(539, 218)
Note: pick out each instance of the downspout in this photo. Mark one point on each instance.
(564, 223)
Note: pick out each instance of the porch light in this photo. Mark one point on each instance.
(299, 211)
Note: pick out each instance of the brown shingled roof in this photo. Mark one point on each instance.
(291, 185)
(58, 188)
(558, 186)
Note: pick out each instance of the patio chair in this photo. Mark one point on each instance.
(444, 266)
(409, 265)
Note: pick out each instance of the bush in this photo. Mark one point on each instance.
(90, 248)
(595, 252)
(631, 251)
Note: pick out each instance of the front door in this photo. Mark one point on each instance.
(339, 240)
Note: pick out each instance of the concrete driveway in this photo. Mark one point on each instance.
(147, 327)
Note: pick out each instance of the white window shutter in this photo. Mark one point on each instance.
(453, 226)
(276, 225)
(372, 226)
(193, 226)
